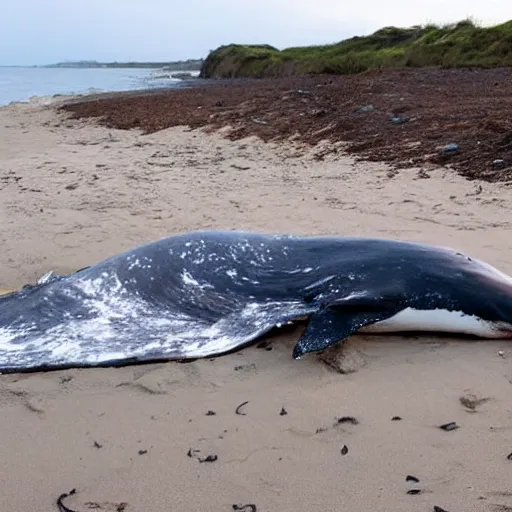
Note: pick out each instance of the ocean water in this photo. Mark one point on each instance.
(29, 84)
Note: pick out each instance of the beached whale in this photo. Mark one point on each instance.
(206, 293)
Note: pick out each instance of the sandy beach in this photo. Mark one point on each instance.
(73, 191)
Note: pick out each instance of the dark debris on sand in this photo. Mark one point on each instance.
(60, 501)
(422, 118)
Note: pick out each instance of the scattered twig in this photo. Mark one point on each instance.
(191, 453)
(238, 410)
(60, 505)
(347, 419)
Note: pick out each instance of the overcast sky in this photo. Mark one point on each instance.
(46, 31)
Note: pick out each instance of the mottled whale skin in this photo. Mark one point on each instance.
(206, 293)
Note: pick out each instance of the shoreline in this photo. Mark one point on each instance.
(74, 191)
(55, 99)
(163, 81)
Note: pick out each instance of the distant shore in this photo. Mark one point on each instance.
(181, 65)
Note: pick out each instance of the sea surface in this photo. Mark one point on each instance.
(37, 84)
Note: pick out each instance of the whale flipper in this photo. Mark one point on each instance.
(334, 323)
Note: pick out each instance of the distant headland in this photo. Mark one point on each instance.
(180, 65)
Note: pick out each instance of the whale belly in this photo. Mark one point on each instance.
(440, 320)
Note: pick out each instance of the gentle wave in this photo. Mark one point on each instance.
(47, 85)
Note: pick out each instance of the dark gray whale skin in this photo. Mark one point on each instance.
(206, 293)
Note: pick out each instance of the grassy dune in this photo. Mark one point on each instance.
(463, 44)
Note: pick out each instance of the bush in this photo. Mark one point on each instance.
(462, 44)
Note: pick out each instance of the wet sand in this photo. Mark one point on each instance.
(73, 192)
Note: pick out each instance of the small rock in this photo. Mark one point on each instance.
(410, 478)
(449, 426)
(208, 458)
(439, 509)
(414, 491)
(211, 413)
(451, 148)
(501, 353)
(499, 163)
(396, 418)
(344, 449)
(509, 456)
(366, 108)
(399, 120)
(283, 412)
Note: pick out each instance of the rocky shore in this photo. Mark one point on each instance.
(419, 118)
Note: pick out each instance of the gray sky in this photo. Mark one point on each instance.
(46, 31)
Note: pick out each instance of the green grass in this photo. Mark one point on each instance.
(463, 44)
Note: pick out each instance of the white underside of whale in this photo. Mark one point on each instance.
(440, 320)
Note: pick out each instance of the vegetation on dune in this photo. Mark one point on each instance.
(463, 44)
